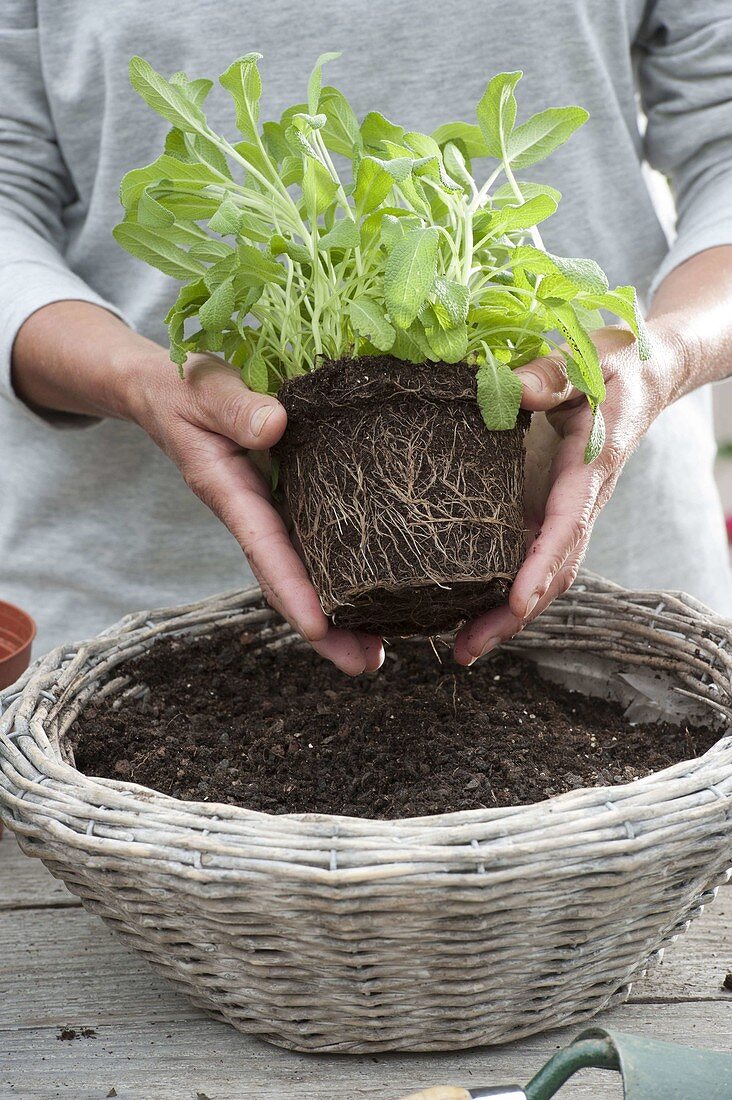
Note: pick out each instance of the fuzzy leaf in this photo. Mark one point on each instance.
(499, 395)
(373, 184)
(152, 213)
(623, 302)
(167, 170)
(255, 268)
(454, 298)
(410, 274)
(215, 313)
(467, 134)
(497, 111)
(318, 187)
(449, 345)
(585, 274)
(222, 270)
(457, 168)
(315, 83)
(375, 129)
(210, 251)
(165, 98)
(209, 153)
(392, 231)
(274, 141)
(244, 84)
(369, 319)
(557, 286)
(340, 133)
(195, 90)
(540, 135)
(513, 217)
(583, 350)
(279, 245)
(155, 248)
(344, 234)
(597, 437)
(411, 345)
(227, 219)
(529, 190)
(255, 374)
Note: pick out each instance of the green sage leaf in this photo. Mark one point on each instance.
(369, 320)
(540, 135)
(497, 112)
(596, 441)
(165, 98)
(244, 84)
(315, 82)
(410, 275)
(499, 395)
(155, 248)
(215, 313)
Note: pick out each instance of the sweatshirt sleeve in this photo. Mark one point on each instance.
(685, 77)
(35, 190)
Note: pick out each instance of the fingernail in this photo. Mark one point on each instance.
(260, 418)
(531, 381)
(531, 603)
(489, 645)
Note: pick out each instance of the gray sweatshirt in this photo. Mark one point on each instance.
(94, 521)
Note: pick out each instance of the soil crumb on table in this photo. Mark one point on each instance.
(66, 1034)
(286, 732)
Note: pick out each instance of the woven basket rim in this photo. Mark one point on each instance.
(623, 798)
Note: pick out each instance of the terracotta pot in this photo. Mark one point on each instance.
(17, 631)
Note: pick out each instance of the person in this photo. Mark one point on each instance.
(96, 519)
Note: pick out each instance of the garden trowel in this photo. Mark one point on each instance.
(651, 1070)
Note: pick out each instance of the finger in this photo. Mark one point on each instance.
(544, 380)
(562, 582)
(373, 648)
(479, 637)
(223, 404)
(348, 651)
(545, 383)
(570, 511)
(234, 492)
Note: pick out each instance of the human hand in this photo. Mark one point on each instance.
(563, 496)
(206, 426)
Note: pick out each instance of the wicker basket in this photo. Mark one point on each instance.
(325, 933)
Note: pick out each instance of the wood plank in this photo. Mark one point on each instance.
(25, 883)
(151, 1062)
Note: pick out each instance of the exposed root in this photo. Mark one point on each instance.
(409, 511)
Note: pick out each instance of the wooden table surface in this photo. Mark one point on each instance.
(62, 968)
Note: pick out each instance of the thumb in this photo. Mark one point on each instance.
(545, 383)
(225, 405)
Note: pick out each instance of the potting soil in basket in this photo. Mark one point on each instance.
(284, 731)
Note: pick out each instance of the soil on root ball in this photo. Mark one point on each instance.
(286, 732)
(408, 509)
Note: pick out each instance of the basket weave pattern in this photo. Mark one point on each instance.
(326, 933)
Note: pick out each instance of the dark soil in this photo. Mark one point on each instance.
(409, 511)
(288, 733)
(66, 1034)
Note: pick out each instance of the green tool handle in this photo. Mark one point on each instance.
(584, 1054)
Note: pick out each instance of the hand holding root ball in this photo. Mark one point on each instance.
(564, 495)
(206, 427)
